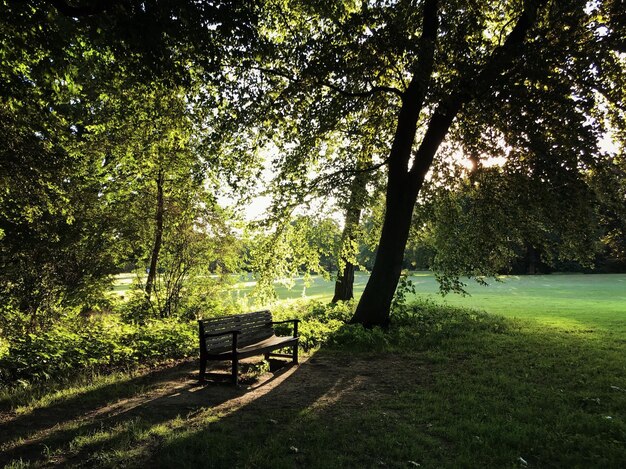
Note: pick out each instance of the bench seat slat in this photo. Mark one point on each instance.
(271, 343)
(225, 342)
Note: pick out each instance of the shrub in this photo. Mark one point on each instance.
(107, 341)
(417, 325)
(319, 320)
(95, 343)
(202, 298)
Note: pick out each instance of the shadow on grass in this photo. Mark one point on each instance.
(175, 411)
(466, 390)
(148, 399)
(478, 391)
(65, 409)
(320, 416)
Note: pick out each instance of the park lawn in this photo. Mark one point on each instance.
(595, 299)
(469, 390)
(583, 301)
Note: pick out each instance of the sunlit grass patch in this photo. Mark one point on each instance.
(109, 446)
(53, 393)
(592, 298)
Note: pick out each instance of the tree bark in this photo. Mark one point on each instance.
(402, 190)
(158, 235)
(344, 285)
(373, 307)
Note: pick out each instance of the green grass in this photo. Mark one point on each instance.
(450, 388)
(542, 383)
(568, 300)
(594, 300)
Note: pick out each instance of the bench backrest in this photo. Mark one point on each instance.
(254, 327)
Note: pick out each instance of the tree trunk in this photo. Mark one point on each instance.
(402, 189)
(532, 260)
(374, 305)
(344, 285)
(402, 184)
(158, 235)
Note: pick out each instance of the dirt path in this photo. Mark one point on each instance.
(45, 436)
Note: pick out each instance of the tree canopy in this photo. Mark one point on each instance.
(121, 119)
(538, 84)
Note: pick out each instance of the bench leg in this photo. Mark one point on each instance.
(235, 370)
(295, 346)
(202, 368)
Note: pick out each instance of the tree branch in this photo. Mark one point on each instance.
(415, 94)
(312, 189)
(355, 94)
(503, 55)
(362, 94)
(447, 109)
(92, 8)
(276, 72)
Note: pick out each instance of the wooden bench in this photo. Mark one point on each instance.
(243, 335)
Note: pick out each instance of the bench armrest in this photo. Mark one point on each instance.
(295, 325)
(285, 321)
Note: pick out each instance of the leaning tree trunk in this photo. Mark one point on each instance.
(344, 285)
(402, 187)
(158, 235)
(406, 177)
(373, 308)
(402, 190)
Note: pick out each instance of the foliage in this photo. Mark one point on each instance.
(477, 226)
(420, 325)
(170, 224)
(199, 253)
(201, 295)
(519, 81)
(405, 288)
(92, 117)
(104, 342)
(303, 245)
(609, 184)
(57, 245)
(319, 320)
(97, 343)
